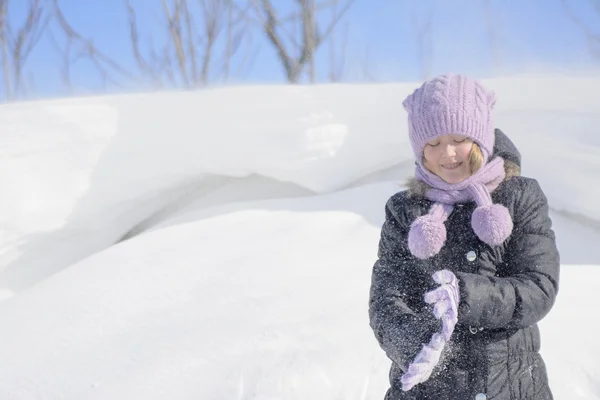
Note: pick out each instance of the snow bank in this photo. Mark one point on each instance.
(84, 173)
(260, 303)
(257, 300)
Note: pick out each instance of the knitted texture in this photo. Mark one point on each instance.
(492, 223)
(451, 104)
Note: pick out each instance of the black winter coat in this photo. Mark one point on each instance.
(505, 290)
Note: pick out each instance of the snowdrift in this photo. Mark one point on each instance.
(218, 244)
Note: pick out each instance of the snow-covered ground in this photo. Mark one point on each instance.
(219, 244)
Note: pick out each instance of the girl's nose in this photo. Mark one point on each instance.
(450, 150)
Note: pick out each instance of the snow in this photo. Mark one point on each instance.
(219, 244)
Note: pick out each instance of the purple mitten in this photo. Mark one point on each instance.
(420, 369)
(445, 300)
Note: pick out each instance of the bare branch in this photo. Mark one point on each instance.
(322, 37)
(163, 62)
(229, 42)
(16, 47)
(190, 38)
(332, 59)
(318, 7)
(174, 22)
(248, 56)
(168, 65)
(335, 68)
(213, 14)
(342, 64)
(235, 17)
(65, 54)
(143, 65)
(270, 29)
(593, 38)
(31, 32)
(312, 36)
(261, 16)
(99, 59)
(4, 45)
(243, 14)
(193, 31)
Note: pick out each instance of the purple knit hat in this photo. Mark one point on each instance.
(454, 104)
(451, 104)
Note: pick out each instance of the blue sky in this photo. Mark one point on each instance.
(532, 35)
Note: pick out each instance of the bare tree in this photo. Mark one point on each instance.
(295, 56)
(189, 55)
(309, 25)
(149, 69)
(422, 27)
(17, 44)
(66, 60)
(110, 70)
(337, 61)
(237, 31)
(186, 58)
(173, 17)
(4, 44)
(592, 37)
(213, 13)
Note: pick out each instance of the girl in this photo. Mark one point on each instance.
(467, 261)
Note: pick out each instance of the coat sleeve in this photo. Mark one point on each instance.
(525, 288)
(400, 324)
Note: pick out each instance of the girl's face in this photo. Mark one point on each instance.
(447, 156)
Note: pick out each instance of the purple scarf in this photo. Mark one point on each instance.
(492, 223)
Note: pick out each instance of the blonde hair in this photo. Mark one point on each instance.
(475, 158)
